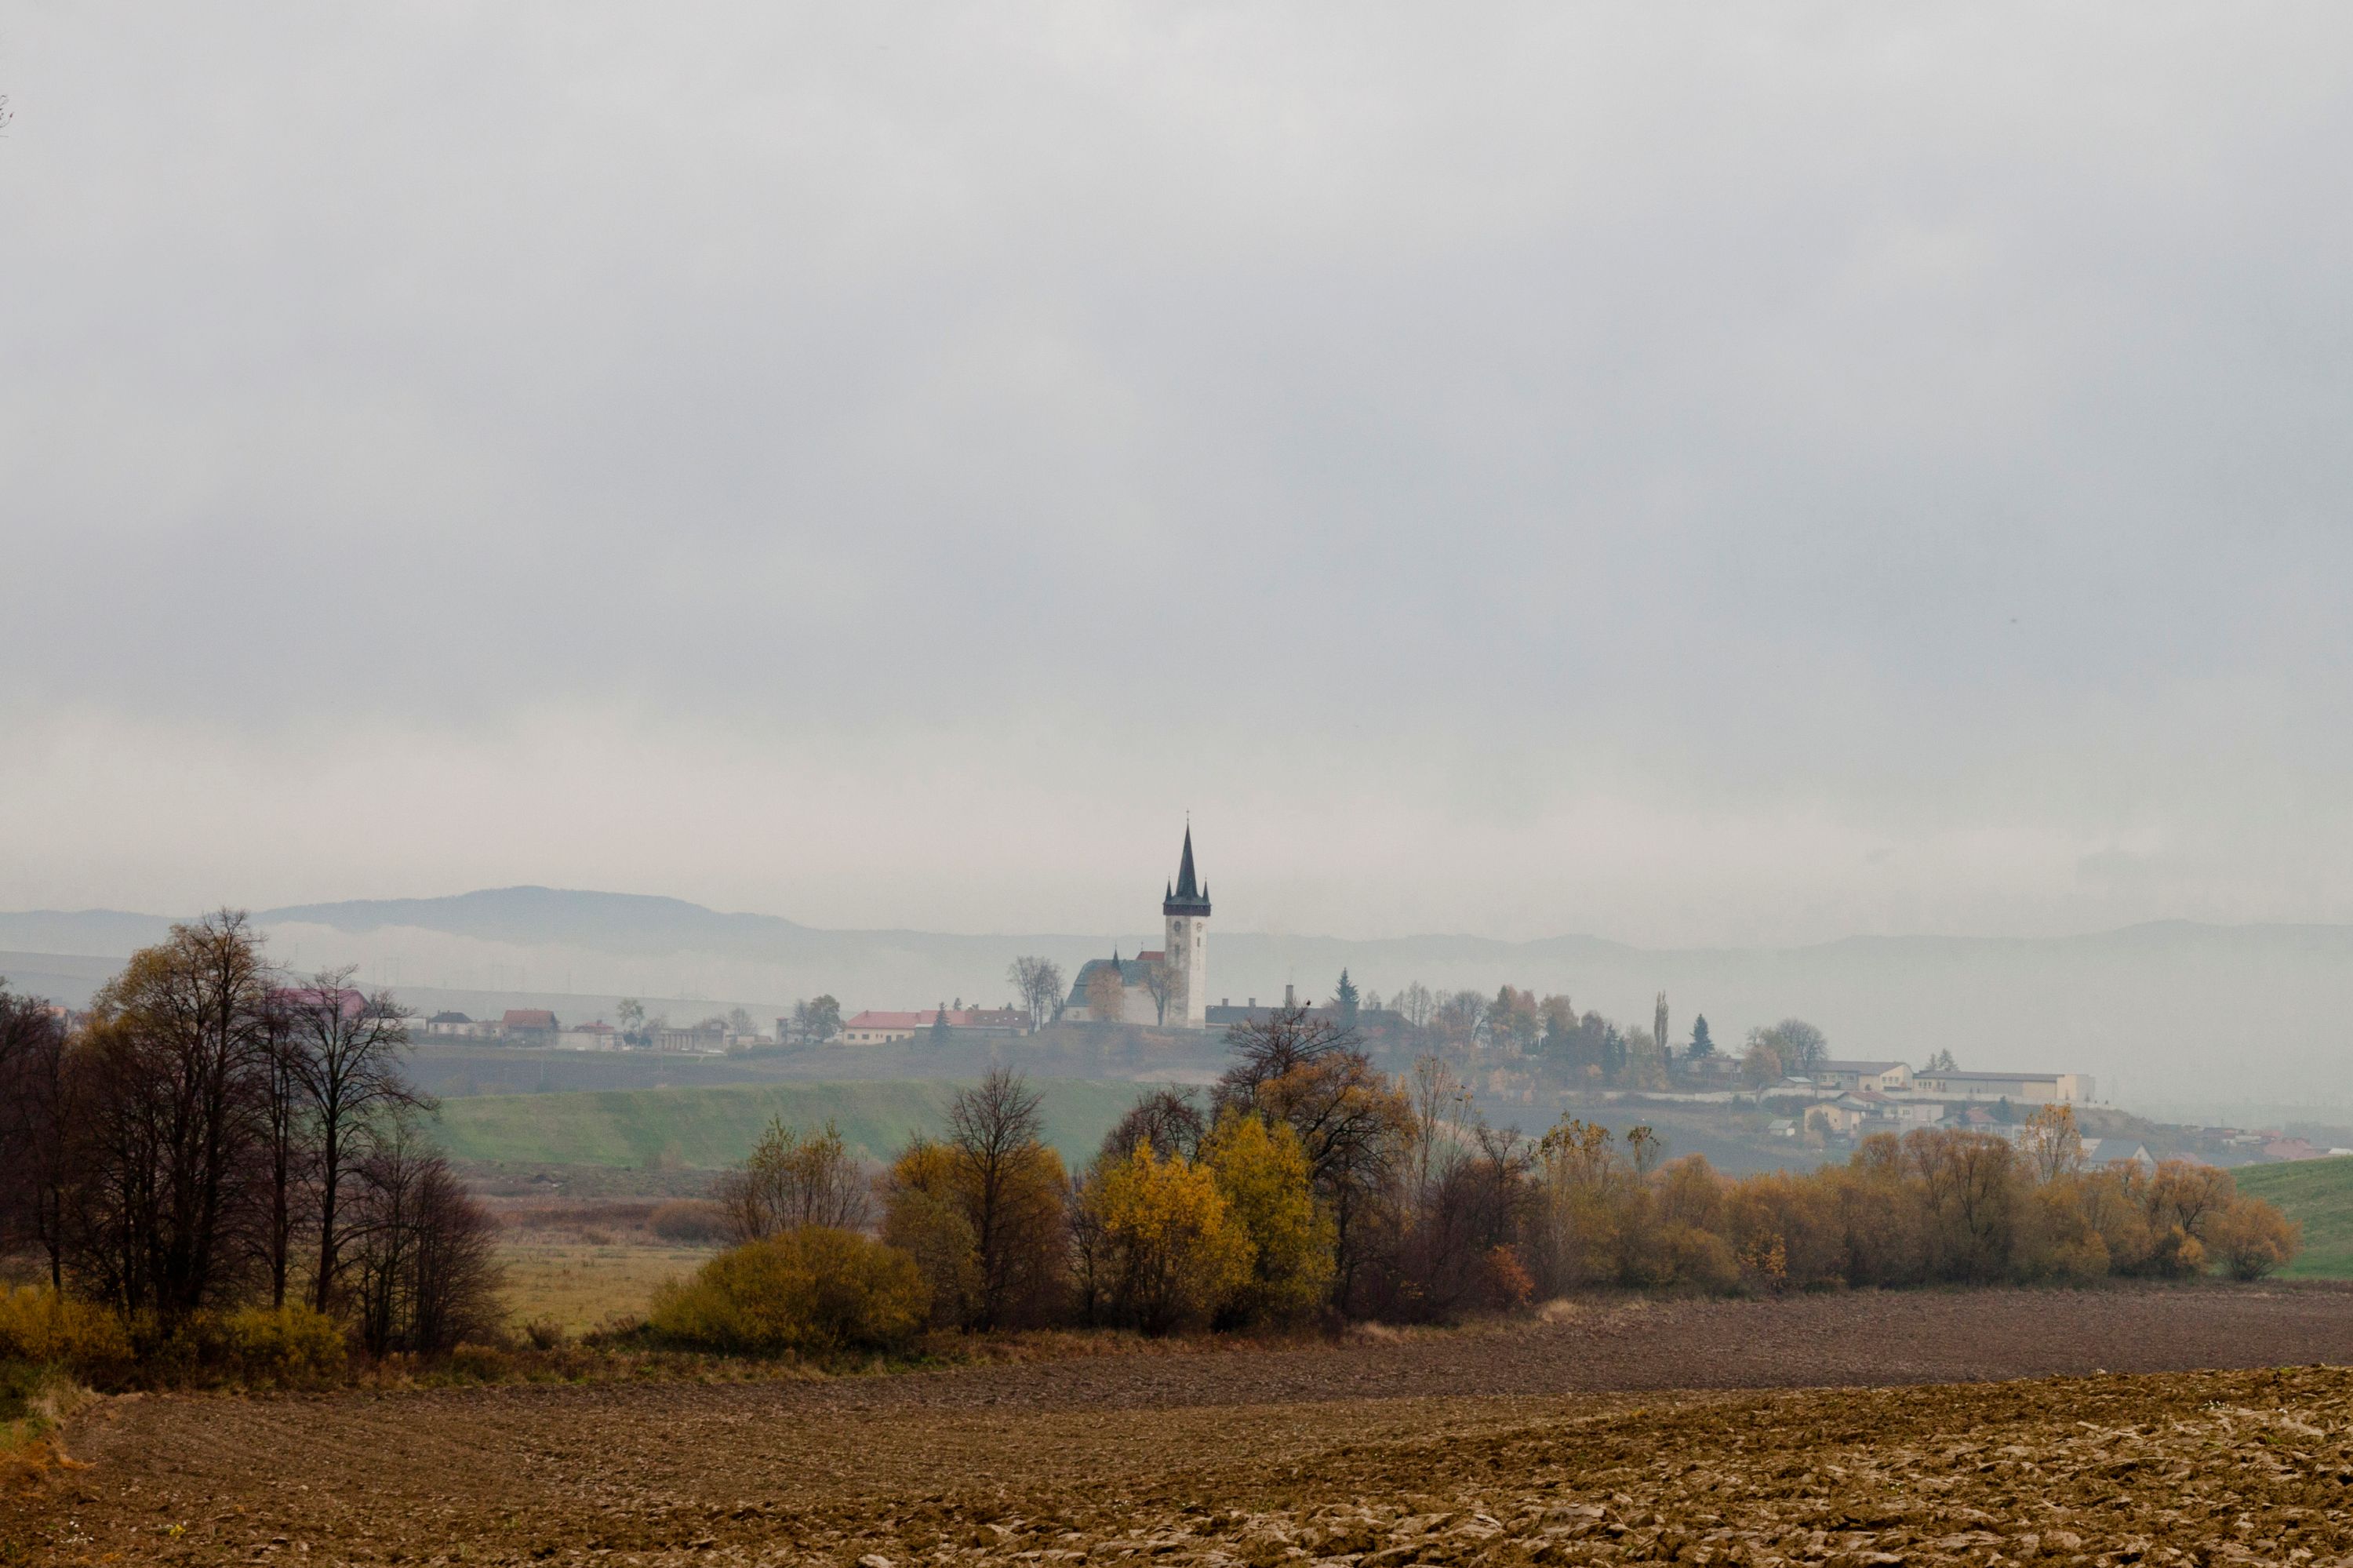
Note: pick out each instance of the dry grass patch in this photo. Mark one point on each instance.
(34, 1403)
(581, 1286)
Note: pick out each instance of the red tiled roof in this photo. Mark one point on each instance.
(529, 1018)
(958, 1018)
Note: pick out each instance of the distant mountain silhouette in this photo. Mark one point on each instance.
(2171, 1010)
(532, 914)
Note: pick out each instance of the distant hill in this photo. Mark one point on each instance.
(2318, 1195)
(617, 922)
(2175, 1018)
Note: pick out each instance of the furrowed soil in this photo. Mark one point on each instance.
(1854, 1429)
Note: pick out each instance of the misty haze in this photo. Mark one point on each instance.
(842, 730)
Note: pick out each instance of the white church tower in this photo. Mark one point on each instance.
(1186, 911)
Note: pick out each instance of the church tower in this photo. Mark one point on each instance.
(1186, 911)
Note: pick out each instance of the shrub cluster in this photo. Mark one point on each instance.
(1310, 1185)
(814, 1291)
(690, 1221)
(1934, 1207)
(293, 1346)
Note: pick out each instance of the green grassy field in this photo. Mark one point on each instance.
(2318, 1195)
(715, 1126)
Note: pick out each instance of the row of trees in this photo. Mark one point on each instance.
(812, 1021)
(218, 1133)
(1551, 1027)
(1309, 1183)
(1548, 1028)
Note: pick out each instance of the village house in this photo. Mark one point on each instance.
(2018, 1088)
(529, 1026)
(597, 1036)
(881, 1028)
(698, 1039)
(1887, 1077)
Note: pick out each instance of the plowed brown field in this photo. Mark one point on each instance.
(1548, 1443)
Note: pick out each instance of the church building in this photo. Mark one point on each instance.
(1173, 980)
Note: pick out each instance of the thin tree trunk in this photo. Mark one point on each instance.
(330, 1169)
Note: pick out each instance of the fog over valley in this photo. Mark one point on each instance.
(2200, 1021)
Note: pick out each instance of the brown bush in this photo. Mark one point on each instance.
(2250, 1238)
(690, 1221)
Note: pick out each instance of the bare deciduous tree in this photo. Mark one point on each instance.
(344, 1052)
(993, 1130)
(1038, 983)
(793, 1180)
(1165, 1120)
(286, 1155)
(1160, 984)
(1285, 1039)
(1461, 1018)
(1442, 1112)
(35, 1114)
(425, 1277)
(1799, 1047)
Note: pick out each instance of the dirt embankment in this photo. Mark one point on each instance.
(1540, 1442)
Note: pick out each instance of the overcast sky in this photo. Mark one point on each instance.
(1695, 475)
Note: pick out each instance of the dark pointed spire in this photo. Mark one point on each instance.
(1189, 896)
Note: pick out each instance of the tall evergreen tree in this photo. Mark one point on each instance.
(1700, 1045)
(1344, 996)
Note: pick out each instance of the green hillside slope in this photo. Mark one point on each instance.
(2318, 1195)
(710, 1128)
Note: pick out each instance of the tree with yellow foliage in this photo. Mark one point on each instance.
(1174, 1255)
(1354, 1124)
(923, 1215)
(1261, 1170)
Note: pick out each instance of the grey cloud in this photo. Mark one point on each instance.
(1928, 421)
